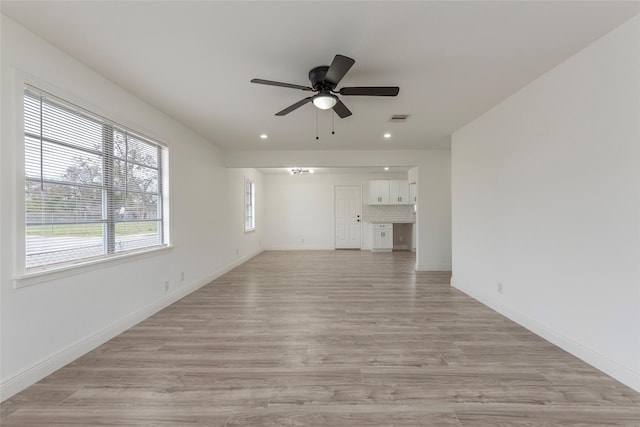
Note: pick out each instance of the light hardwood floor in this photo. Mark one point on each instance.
(335, 338)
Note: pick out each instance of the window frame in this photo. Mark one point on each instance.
(252, 201)
(24, 276)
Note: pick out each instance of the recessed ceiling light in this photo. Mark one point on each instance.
(386, 168)
(387, 135)
(264, 136)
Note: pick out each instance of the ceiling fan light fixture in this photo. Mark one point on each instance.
(325, 101)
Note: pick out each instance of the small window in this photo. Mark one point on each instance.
(249, 205)
(92, 188)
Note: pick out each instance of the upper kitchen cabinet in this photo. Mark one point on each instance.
(413, 198)
(389, 193)
(378, 192)
(399, 193)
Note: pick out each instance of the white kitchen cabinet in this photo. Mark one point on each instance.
(383, 192)
(413, 197)
(382, 237)
(379, 192)
(399, 193)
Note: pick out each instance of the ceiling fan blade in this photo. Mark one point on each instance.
(370, 91)
(272, 83)
(338, 68)
(294, 106)
(341, 110)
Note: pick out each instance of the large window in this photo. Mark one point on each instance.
(249, 205)
(92, 188)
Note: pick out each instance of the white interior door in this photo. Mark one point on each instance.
(348, 211)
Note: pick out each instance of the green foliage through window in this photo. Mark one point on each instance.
(92, 188)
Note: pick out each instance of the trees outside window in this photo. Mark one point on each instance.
(92, 187)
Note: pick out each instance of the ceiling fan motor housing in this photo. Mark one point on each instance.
(316, 77)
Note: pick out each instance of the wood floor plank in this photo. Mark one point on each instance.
(345, 415)
(133, 415)
(331, 338)
(547, 415)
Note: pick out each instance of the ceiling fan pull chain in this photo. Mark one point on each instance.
(333, 127)
(317, 124)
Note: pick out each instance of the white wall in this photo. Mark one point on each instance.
(299, 209)
(434, 212)
(432, 167)
(546, 200)
(48, 324)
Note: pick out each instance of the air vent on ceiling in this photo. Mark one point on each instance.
(399, 118)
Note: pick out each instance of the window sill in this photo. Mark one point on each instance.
(54, 273)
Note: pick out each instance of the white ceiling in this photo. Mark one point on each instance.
(194, 60)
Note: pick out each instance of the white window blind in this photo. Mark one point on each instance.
(249, 205)
(92, 188)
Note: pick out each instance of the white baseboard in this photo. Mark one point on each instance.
(56, 361)
(227, 268)
(610, 367)
(433, 267)
(300, 248)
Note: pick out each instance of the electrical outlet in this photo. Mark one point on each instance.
(166, 286)
(182, 276)
(237, 252)
(500, 288)
(302, 240)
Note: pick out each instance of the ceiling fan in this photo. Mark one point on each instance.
(324, 80)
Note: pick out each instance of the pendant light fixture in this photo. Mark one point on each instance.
(299, 171)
